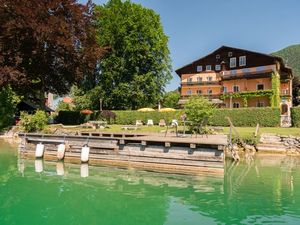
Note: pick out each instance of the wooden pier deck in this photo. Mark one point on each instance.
(187, 155)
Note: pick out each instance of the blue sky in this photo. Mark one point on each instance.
(197, 27)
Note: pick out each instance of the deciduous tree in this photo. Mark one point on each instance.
(134, 73)
(46, 45)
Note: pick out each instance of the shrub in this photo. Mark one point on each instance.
(197, 110)
(295, 113)
(8, 104)
(247, 117)
(35, 122)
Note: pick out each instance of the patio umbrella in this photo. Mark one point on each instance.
(86, 111)
(167, 110)
(145, 110)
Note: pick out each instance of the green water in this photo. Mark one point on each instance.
(266, 190)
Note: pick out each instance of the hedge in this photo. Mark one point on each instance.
(130, 117)
(247, 117)
(242, 117)
(295, 113)
(70, 117)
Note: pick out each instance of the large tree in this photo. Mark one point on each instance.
(46, 45)
(136, 69)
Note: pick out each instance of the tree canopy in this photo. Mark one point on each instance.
(135, 71)
(170, 99)
(46, 45)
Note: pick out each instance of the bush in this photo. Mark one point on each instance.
(70, 117)
(198, 110)
(35, 122)
(8, 104)
(295, 113)
(247, 117)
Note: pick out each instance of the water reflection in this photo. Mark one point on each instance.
(84, 170)
(258, 189)
(60, 168)
(38, 165)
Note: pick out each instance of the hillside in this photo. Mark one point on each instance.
(291, 57)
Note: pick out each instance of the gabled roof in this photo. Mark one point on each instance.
(275, 58)
(28, 106)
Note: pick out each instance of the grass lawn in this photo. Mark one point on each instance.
(243, 131)
(247, 131)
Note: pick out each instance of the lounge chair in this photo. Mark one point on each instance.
(162, 123)
(138, 123)
(174, 123)
(150, 123)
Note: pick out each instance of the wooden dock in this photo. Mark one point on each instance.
(185, 155)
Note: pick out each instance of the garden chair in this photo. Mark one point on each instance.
(138, 123)
(150, 123)
(162, 123)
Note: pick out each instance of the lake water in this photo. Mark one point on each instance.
(265, 190)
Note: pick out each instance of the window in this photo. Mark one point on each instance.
(236, 105)
(190, 80)
(209, 91)
(189, 92)
(259, 87)
(209, 78)
(229, 54)
(235, 88)
(225, 89)
(208, 68)
(232, 62)
(199, 92)
(260, 104)
(218, 56)
(285, 91)
(199, 79)
(199, 68)
(242, 60)
(218, 67)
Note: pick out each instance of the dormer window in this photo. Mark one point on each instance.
(232, 62)
(199, 68)
(208, 68)
(242, 60)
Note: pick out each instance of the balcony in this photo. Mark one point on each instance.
(285, 92)
(209, 96)
(201, 83)
(259, 71)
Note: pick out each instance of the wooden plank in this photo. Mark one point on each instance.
(170, 155)
(156, 160)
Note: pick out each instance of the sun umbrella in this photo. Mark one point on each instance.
(86, 111)
(167, 110)
(145, 110)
